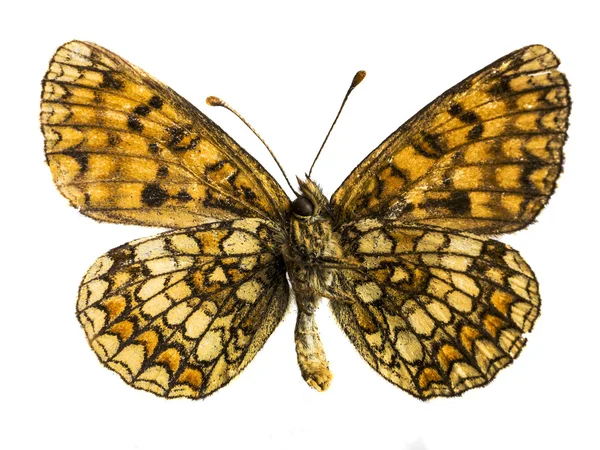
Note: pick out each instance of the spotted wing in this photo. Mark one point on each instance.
(182, 313)
(434, 312)
(483, 157)
(123, 147)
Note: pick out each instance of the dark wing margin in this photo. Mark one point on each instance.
(182, 313)
(125, 148)
(483, 157)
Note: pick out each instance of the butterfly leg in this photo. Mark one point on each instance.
(309, 348)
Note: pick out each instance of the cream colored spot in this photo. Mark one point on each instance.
(210, 346)
(375, 242)
(157, 374)
(520, 314)
(156, 305)
(199, 321)
(249, 291)
(408, 346)
(440, 273)
(223, 322)
(486, 352)
(248, 262)
(519, 284)
(96, 289)
(152, 287)
(177, 276)
(431, 242)
(241, 243)
(507, 341)
(374, 339)
(368, 292)
(217, 276)
(168, 264)
(461, 372)
(179, 291)
(184, 244)
(93, 320)
(465, 284)
(149, 386)
(464, 246)
(460, 301)
(79, 47)
(132, 357)
(153, 248)
(439, 311)
(453, 262)
(420, 321)
(438, 288)
(178, 314)
(399, 275)
(495, 275)
(105, 346)
(456, 262)
(515, 262)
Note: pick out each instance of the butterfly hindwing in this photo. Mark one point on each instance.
(123, 147)
(483, 157)
(434, 312)
(182, 313)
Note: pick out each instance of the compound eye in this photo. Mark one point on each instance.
(302, 207)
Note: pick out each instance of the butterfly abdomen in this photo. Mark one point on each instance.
(311, 244)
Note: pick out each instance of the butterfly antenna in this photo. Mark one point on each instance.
(360, 75)
(216, 101)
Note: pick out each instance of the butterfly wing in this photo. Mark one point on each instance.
(483, 157)
(123, 147)
(434, 312)
(182, 313)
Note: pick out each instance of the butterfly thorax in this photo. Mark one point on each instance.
(311, 252)
(312, 247)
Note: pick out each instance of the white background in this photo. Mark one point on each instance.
(286, 67)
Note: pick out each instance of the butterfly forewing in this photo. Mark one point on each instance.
(483, 157)
(435, 312)
(123, 147)
(182, 313)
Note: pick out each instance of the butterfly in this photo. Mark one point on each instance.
(402, 250)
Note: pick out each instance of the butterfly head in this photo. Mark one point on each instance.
(311, 202)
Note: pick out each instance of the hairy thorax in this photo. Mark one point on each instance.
(311, 251)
